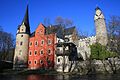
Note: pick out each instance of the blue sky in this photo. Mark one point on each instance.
(80, 11)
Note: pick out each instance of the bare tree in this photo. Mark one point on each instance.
(114, 33)
(6, 44)
(59, 20)
(47, 21)
(65, 22)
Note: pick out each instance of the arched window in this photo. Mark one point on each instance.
(29, 62)
(41, 52)
(42, 42)
(35, 52)
(41, 61)
(49, 51)
(30, 53)
(35, 62)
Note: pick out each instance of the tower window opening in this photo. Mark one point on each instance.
(21, 43)
(21, 35)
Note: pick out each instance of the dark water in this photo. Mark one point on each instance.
(61, 77)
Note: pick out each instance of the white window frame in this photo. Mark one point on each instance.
(49, 41)
(41, 61)
(36, 62)
(36, 42)
(42, 41)
(30, 62)
(50, 51)
(30, 44)
(30, 52)
(36, 53)
(42, 51)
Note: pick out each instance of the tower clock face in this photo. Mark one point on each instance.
(98, 12)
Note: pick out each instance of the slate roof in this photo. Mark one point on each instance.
(58, 29)
(26, 21)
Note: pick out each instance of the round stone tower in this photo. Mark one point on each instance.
(101, 32)
(22, 43)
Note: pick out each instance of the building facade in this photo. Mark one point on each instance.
(41, 49)
(66, 56)
(83, 48)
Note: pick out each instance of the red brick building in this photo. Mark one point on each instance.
(41, 49)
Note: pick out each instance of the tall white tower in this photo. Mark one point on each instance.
(22, 43)
(101, 32)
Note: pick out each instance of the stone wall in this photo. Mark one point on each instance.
(112, 65)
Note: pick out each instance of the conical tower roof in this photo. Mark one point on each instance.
(26, 21)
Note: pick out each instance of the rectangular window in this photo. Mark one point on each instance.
(21, 43)
(58, 60)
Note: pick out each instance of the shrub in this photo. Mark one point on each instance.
(100, 52)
